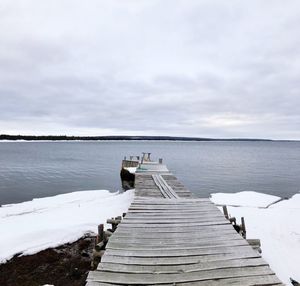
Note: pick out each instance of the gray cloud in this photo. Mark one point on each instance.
(194, 68)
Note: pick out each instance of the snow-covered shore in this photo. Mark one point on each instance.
(277, 225)
(36, 225)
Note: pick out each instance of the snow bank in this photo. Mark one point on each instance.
(35, 225)
(246, 199)
(278, 228)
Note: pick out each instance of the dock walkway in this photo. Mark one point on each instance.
(170, 237)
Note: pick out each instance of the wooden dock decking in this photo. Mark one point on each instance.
(170, 237)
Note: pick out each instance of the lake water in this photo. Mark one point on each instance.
(39, 169)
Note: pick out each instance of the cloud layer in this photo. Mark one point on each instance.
(189, 68)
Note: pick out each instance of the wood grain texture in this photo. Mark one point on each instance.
(170, 237)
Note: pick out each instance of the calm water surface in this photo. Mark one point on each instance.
(39, 169)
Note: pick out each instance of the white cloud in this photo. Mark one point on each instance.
(195, 68)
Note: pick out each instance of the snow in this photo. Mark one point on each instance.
(278, 228)
(131, 170)
(247, 199)
(36, 225)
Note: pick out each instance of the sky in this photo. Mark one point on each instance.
(203, 68)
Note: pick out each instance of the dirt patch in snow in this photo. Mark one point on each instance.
(66, 265)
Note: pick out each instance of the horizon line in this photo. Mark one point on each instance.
(16, 137)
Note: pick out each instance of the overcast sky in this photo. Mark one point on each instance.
(184, 68)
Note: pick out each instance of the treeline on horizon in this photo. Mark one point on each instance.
(115, 137)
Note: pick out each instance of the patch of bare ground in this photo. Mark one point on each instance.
(65, 265)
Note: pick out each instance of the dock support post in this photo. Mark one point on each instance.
(100, 236)
(114, 222)
(225, 211)
(243, 227)
(99, 247)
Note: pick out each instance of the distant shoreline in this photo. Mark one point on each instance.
(10, 138)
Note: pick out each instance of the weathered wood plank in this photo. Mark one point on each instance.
(265, 280)
(170, 233)
(145, 278)
(171, 220)
(178, 260)
(96, 283)
(172, 205)
(171, 202)
(166, 208)
(195, 214)
(170, 228)
(150, 195)
(172, 212)
(221, 264)
(162, 201)
(180, 201)
(176, 217)
(175, 240)
(166, 212)
(179, 252)
(178, 246)
(165, 189)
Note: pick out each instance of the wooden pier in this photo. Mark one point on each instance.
(170, 237)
